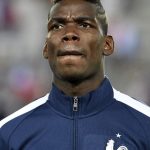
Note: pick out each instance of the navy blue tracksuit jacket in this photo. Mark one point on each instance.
(104, 119)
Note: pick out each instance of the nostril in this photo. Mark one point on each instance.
(65, 39)
(70, 37)
(75, 38)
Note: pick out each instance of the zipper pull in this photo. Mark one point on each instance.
(75, 103)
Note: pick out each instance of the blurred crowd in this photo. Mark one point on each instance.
(25, 75)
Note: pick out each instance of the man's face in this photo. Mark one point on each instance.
(74, 45)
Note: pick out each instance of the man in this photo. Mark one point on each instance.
(82, 111)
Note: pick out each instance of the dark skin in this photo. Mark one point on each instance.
(75, 47)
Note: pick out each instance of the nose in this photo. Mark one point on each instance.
(70, 36)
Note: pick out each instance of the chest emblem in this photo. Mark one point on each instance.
(111, 144)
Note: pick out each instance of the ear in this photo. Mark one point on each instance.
(108, 45)
(45, 51)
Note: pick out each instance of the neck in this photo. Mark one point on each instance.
(83, 87)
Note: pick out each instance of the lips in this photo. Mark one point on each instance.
(69, 53)
(70, 50)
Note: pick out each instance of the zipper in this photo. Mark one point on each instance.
(75, 103)
(75, 111)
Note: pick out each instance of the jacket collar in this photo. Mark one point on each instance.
(89, 104)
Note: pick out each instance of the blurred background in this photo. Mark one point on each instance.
(25, 75)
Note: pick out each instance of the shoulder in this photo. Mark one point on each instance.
(136, 110)
(138, 114)
(8, 124)
(132, 103)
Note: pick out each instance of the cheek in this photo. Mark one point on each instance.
(51, 54)
(51, 51)
(95, 46)
(52, 46)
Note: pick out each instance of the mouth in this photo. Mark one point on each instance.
(70, 53)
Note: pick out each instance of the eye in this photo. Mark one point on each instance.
(85, 25)
(56, 27)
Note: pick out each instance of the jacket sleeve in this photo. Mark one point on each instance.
(147, 130)
(3, 145)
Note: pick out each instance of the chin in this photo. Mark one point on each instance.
(74, 79)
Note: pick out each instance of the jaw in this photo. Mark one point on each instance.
(78, 85)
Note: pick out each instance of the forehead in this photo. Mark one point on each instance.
(73, 8)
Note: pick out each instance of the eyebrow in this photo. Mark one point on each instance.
(84, 18)
(76, 19)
